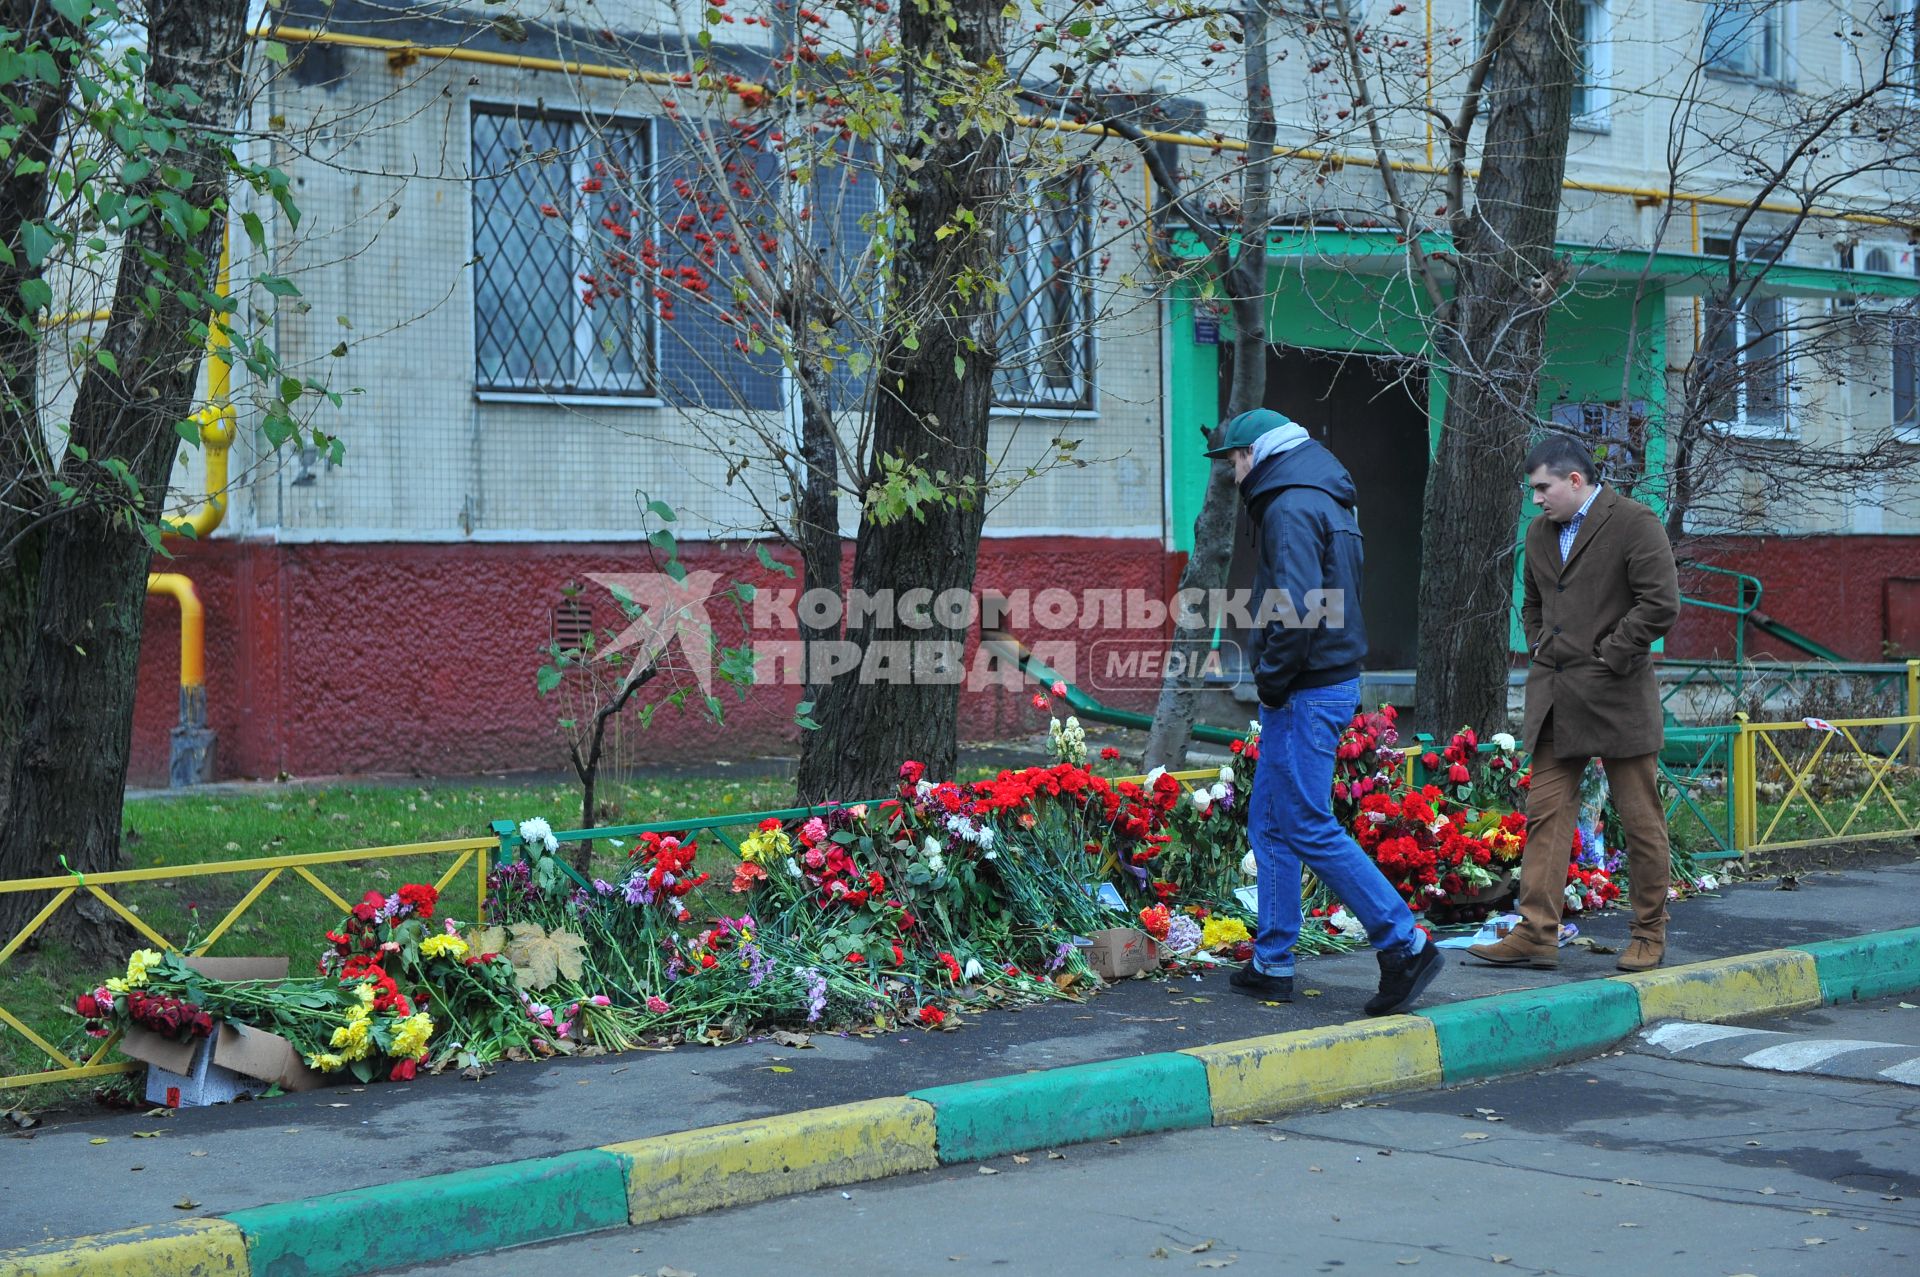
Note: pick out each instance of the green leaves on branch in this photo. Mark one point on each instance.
(907, 488)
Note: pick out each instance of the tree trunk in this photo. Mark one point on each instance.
(1492, 342)
(818, 533)
(927, 413)
(1246, 287)
(24, 462)
(68, 772)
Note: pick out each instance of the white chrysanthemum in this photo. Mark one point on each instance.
(538, 833)
(1253, 727)
(931, 847)
(793, 867)
(1249, 866)
(936, 863)
(1504, 741)
(1347, 925)
(1202, 800)
(972, 970)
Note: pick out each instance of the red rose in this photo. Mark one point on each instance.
(86, 1004)
(1457, 774)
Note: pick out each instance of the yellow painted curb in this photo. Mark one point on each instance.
(741, 1162)
(186, 1248)
(1768, 983)
(1312, 1068)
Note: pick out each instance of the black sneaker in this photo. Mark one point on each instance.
(1258, 984)
(1403, 979)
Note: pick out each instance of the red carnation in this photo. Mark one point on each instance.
(86, 1004)
(932, 1017)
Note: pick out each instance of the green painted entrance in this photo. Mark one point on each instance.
(1349, 362)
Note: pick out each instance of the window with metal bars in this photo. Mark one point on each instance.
(559, 217)
(1046, 317)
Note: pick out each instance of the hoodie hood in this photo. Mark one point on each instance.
(1278, 440)
(1304, 464)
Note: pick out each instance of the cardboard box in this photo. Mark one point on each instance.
(1119, 952)
(233, 1061)
(240, 968)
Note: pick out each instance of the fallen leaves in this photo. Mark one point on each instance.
(798, 1041)
(98, 1139)
(1476, 1135)
(988, 1170)
(148, 1135)
(186, 1203)
(1020, 1159)
(1055, 1155)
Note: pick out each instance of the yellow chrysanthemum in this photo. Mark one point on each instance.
(352, 1040)
(766, 845)
(326, 1062)
(449, 946)
(138, 965)
(410, 1039)
(1218, 931)
(117, 985)
(366, 993)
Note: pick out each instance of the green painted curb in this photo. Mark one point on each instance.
(1161, 1092)
(418, 1221)
(1877, 965)
(1530, 1028)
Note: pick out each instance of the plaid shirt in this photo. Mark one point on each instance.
(1571, 528)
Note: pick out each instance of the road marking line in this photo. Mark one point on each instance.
(1681, 1035)
(1908, 1072)
(1794, 1056)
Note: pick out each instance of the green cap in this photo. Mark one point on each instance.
(1241, 431)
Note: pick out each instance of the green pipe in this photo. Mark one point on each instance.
(1085, 706)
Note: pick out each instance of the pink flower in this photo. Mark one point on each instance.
(657, 1005)
(814, 831)
(600, 1000)
(815, 859)
(1059, 688)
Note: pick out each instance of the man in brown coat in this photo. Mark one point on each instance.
(1599, 588)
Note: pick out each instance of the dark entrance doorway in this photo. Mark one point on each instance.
(1371, 413)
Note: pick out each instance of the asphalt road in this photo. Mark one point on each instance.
(1651, 1160)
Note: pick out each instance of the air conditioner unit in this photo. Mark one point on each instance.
(1873, 257)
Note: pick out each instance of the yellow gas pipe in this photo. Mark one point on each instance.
(190, 758)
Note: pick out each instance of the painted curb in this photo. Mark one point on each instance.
(1878, 965)
(183, 1248)
(1316, 1068)
(1774, 982)
(1072, 1105)
(694, 1171)
(1531, 1028)
(440, 1216)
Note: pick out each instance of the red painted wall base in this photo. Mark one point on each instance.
(419, 659)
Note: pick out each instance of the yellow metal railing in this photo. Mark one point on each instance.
(1837, 747)
(67, 886)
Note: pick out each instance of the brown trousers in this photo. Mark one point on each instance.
(1553, 812)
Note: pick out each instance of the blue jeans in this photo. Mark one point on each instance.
(1291, 824)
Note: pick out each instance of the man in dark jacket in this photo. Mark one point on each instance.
(1307, 669)
(1599, 589)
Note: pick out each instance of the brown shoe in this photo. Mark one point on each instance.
(1642, 955)
(1511, 953)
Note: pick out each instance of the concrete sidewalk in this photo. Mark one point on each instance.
(252, 1155)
